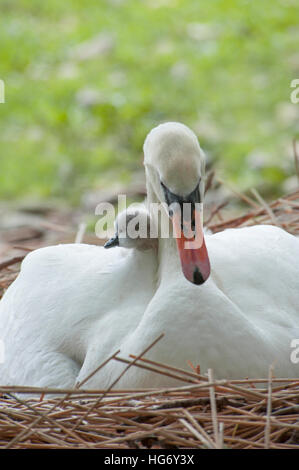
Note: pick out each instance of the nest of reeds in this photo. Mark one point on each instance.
(201, 413)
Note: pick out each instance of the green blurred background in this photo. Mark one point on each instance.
(85, 82)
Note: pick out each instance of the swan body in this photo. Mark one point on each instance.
(53, 330)
(231, 305)
(238, 328)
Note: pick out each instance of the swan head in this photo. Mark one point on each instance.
(132, 230)
(175, 166)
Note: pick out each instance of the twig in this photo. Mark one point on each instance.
(245, 198)
(27, 431)
(117, 380)
(80, 232)
(266, 207)
(220, 434)
(269, 409)
(200, 429)
(172, 368)
(79, 384)
(195, 432)
(213, 407)
(209, 181)
(156, 370)
(10, 262)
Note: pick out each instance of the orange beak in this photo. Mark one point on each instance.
(191, 247)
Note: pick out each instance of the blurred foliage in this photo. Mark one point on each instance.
(86, 81)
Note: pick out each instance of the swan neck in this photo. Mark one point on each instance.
(168, 259)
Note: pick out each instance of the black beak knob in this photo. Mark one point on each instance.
(114, 241)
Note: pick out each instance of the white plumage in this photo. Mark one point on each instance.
(74, 305)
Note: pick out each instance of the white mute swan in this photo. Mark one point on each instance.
(50, 333)
(231, 304)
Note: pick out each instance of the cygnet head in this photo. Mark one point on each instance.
(132, 230)
(175, 166)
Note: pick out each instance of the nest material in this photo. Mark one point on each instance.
(202, 413)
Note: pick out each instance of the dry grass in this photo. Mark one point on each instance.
(235, 415)
(202, 413)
